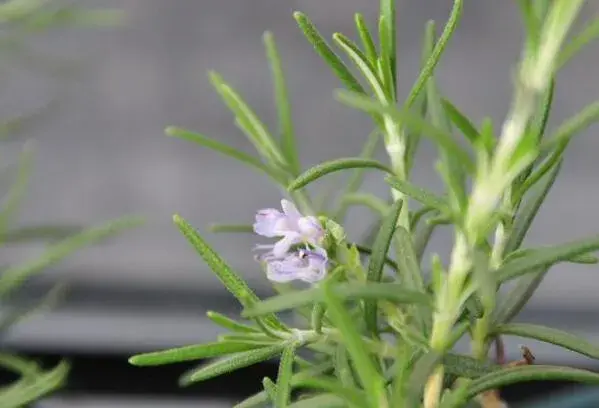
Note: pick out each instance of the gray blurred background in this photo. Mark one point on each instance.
(104, 155)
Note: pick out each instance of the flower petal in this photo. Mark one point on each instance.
(283, 245)
(310, 228)
(291, 211)
(268, 222)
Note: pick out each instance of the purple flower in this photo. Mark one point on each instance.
(305, 265)
(290, 225)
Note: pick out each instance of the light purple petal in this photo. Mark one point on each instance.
(311, 229)
(284, 270)
(291, 211)
(269, 222)
(284, 244)
(306, 265)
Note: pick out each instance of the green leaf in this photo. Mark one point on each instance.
(12, 202)
(461, 121)
(325, 52)
(361, 62)
(388, 261)
(288, 143)
(435, 56)
(391, 292)
(586, 117)
(355, 181)
(13, 276)
(377, 261)
(47, 302)
(421, 371)
(343, 369)
(528, 212)
(467, 367)
(188, 353)
(236, 228)
(371, 380)
(520, 374)
(576, 44)
(322, 400)
(550, 335)
(378, 206)
(261, 398)
(39, 233)
(255, 130)
(317, 317)
(283, 389)
(27, 391)
(231, 363)
(385, 71)
(413, 138)
(449, 167)
(388, 40)
(223, 149)
(354, 397)
(270, 388)
(410, 120)
(366, 37)
(419, 194)
(409, 267)
(331, 166)
(228, 323)
(546, 257)
(230, 279)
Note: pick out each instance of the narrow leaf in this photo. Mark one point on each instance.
(228, 323)
(550, 335)
(343, 369)
(409, 267)
(288, 143)
(370, 378)
(261, 398)
(410, 120)
(188, 353)
(221, 148)
(39, 233)
(249, 121)
(283, 389)
(545, 257)
(365, 67)
(325, 168)
(270, 388)
(419, 194)
(366, 37)
(579, 122)
(435, 56)
(391, 292)
(389, 41)
(230, 279)
(355, 181)
(13, 276)
(325, 52)
(587, 35)
(461, 121)
(526, 373)
(322, 400)
(354, 397)
(231, 363)
(25, 392)
(378, 206)
(377, 261)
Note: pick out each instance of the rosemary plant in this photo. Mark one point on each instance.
(378, 332)
(22, 21)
